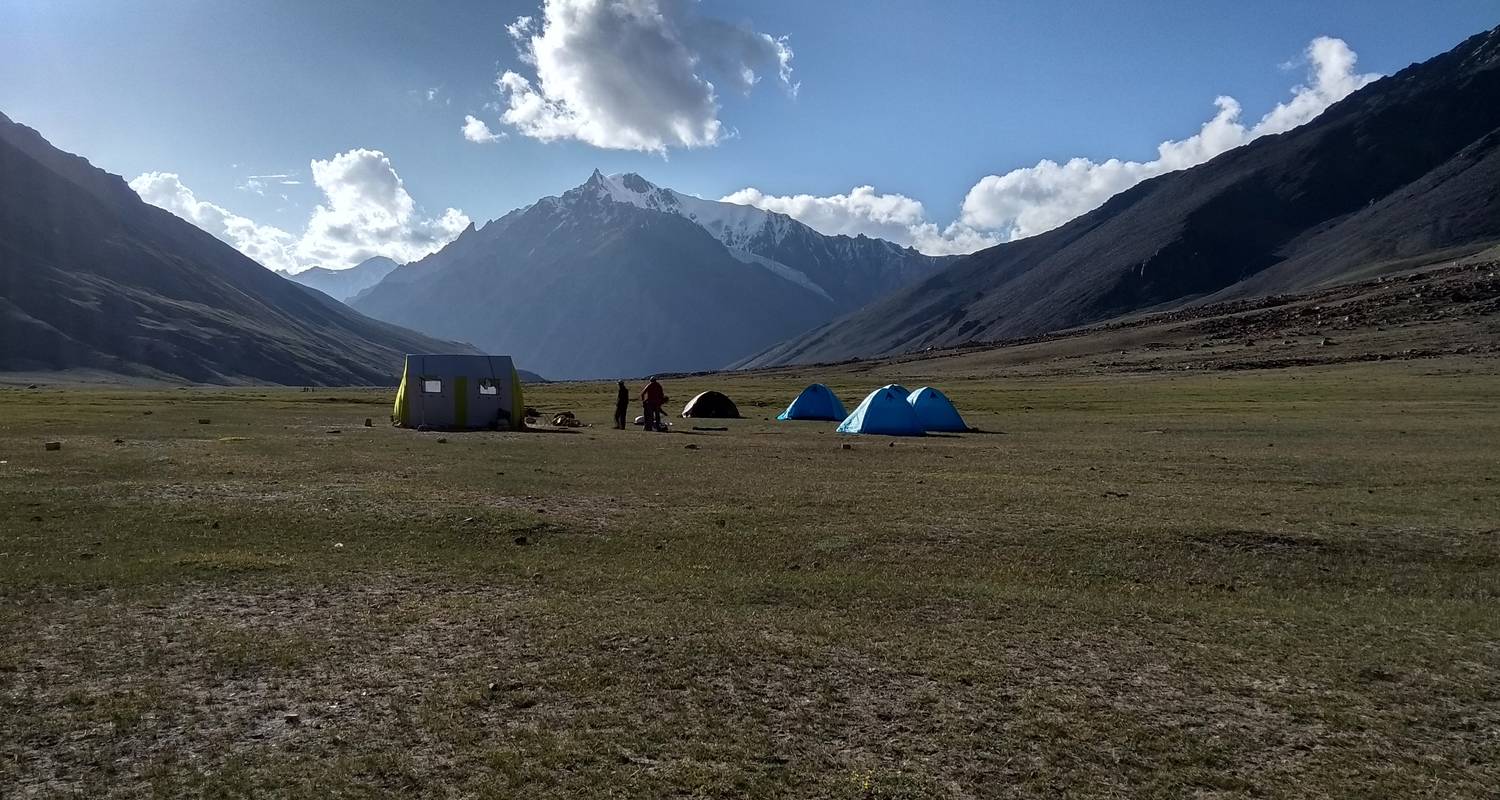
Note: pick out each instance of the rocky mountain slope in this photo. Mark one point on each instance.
(621, 277)
(1406, 166)
(94, 279)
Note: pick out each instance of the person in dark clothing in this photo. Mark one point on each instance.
(653, 397)
(622, 406)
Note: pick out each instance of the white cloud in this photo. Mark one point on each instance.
(632, 74)
(893, 217)
(1333, 77)
(1032, 200)
(955, 239)
(271, 246)
(520, 29)
(432, 95)
(366, 212)
(476, 131)
(862, 210)
(256, 184)
(1028, 201)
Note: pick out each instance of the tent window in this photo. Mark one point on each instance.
(487, 386)
(432, 385)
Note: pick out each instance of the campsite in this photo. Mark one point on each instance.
(1029, 400)
(1174, 581)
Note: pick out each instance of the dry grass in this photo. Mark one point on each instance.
(1264, 584)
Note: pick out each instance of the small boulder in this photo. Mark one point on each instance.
(442, 440)
(205, 421)
(53, 445)
(522, 540)
(369, 423)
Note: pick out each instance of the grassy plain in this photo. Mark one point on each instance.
(1258, 583)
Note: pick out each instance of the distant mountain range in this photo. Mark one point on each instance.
(1407, 166)
(93, 279)
(344, 284)
(618, 277)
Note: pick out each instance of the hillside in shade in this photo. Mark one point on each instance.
(94, 279)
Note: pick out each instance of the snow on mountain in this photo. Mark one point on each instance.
(344, 284)
(618, 276)
(781, 270)
(750, 233)
(733, 224)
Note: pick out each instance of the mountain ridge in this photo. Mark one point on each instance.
(1293, 207)
(344, 284)
(569, 281)
(92, 278)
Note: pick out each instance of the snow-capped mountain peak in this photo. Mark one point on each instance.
(845, 270)
(734, 225)
(573, 276)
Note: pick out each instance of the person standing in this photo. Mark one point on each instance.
(622, 406)
(653, 397)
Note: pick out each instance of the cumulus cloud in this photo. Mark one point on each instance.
(476, 131)
(632, 74)
(893, 217)
(1032, 200)
(862, 210)
(1028, 201)
(271, 246)
(366, 211)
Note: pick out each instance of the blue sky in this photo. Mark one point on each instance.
(920, 100)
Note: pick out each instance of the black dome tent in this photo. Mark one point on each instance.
(711, 405)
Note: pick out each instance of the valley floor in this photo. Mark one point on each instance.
(1197, 582)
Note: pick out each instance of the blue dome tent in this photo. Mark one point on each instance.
(886, 412)
(816, 402)
(935, 411)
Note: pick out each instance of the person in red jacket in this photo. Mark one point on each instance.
(653, 397)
